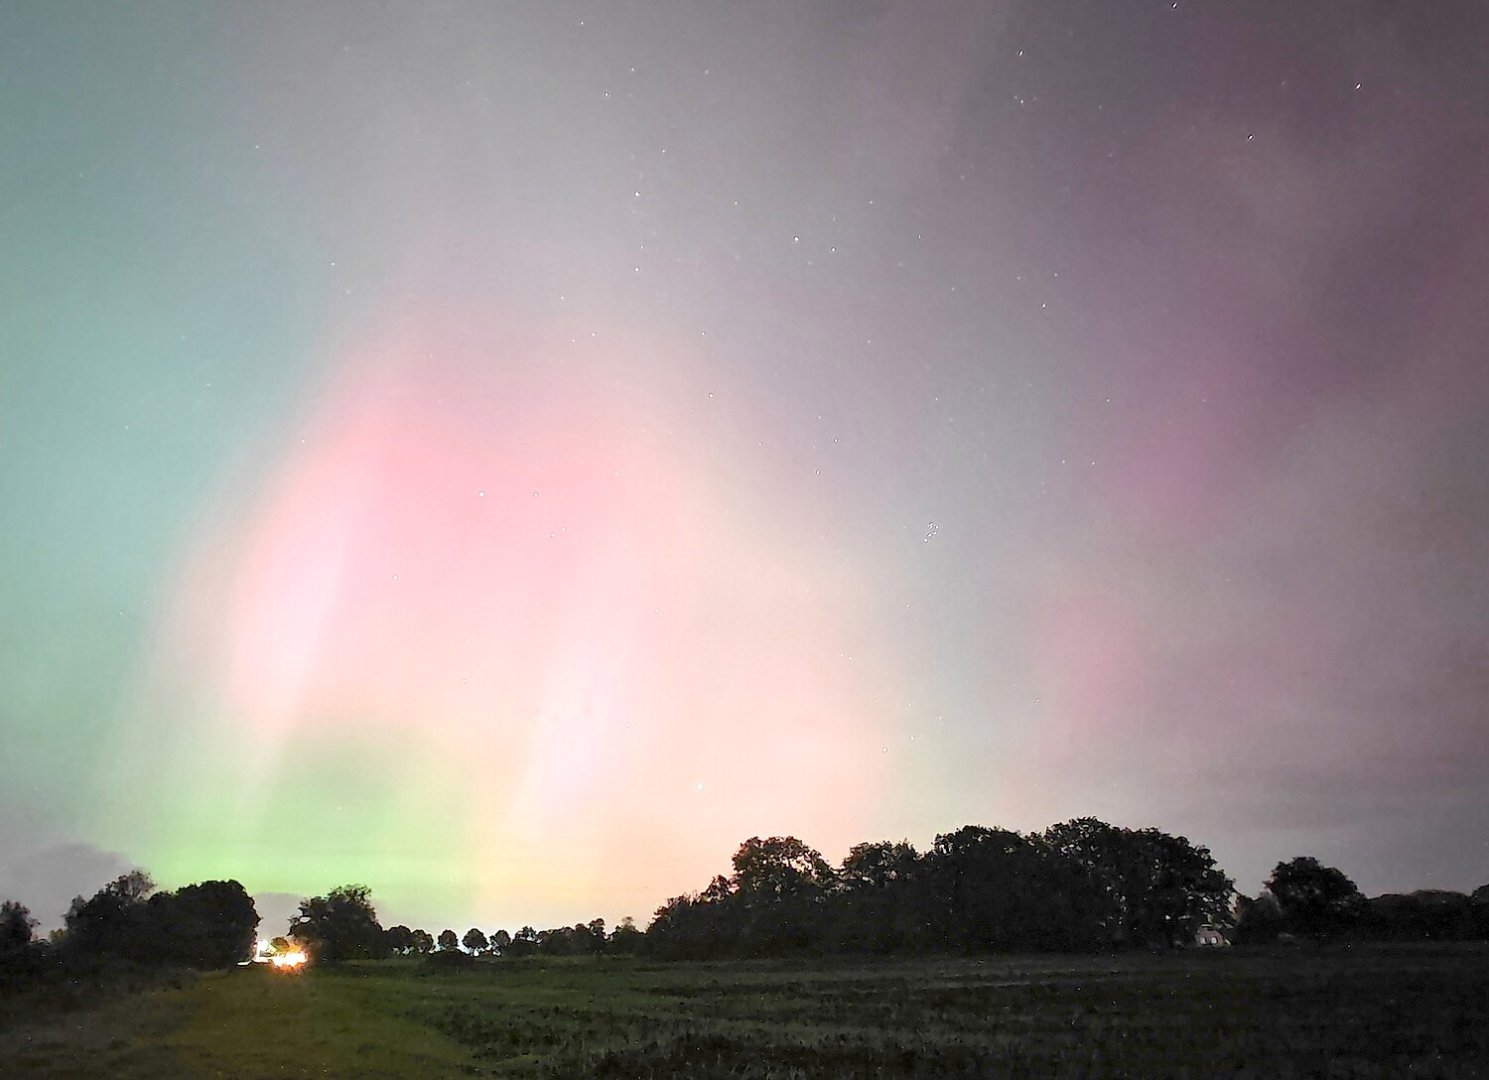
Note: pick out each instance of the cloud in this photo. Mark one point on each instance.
(47, 879)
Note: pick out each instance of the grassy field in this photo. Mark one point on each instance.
(1366, 1012)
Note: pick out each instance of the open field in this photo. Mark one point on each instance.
(1366, 1012)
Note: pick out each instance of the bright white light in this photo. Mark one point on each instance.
(290, 960)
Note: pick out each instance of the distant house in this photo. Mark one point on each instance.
(1210, 937)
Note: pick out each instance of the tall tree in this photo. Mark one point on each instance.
(626, 938)
(597, 939)
(500, 942)
(778, 868)
(208, 925)
(1316, 900)
(474, 940)
(1140, 887)
(342, 925)
(990, 890)
(1177, 889)
(775, 899)
(448, 942)
(1098, 864)
(115, 920)
(880, 906)
(16, 927)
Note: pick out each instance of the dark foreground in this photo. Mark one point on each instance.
(1375, 1011)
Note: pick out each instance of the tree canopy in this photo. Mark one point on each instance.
(342, 925)
(210, 925)
(1081, 884)
(16, 927)
(207, 925)
(1316, 900)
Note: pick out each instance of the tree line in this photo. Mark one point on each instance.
(343, 925)
(210, 924)
(1079, 885)
(1083, 884)
(1304, 899)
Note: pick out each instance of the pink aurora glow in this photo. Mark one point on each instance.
(514, 564)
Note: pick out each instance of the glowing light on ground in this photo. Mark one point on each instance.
(293, 960)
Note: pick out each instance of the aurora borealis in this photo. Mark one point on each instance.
(509, 454)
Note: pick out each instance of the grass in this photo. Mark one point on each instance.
(1366, 1012)
(248, 1022)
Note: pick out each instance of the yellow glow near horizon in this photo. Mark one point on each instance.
(290, 961)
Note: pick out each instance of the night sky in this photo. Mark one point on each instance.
(508, 454)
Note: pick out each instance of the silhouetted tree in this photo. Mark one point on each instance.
(1316, 900)
(114, 921)
(626, 939)
(16, 927)
(1424, 915)
(1138, 887)
(1176, 889)
(556, 941)
(1082, 884)
(997, 890)
(474, 940)
(208, 925)
(422, 943)
(448, 942)
(1479, 898)
(1258, 921)
(579, 940)
(779, 887)
(683, 927)
(881, 904)
(342, 925)
(597, 940)
(398, 940)
(524, 942)
(500, 942)
(1100, 859)
(779, 868)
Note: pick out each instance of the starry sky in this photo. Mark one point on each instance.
(508, 454)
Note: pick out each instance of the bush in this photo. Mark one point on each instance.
(449, 961)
